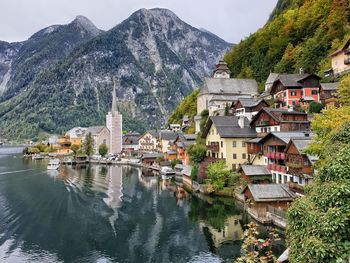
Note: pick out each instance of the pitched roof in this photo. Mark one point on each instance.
(270, 192)
(95, 130)
(168, 135)
(250, 102)
(77, 132)
(276, 114)
(254, 170)
(330, 86)
(228, 127)
(286, 136)
(293, 80)
(272, 78)
(229, 86)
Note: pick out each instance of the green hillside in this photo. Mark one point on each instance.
(299, 34)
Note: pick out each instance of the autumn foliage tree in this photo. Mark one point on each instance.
(319, 223)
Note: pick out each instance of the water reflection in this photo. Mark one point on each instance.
(109, 214)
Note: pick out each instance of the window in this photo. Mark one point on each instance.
(314, 92)
(294, 103)
(293, 93)
(244, 144)
(244, 156)
(234, 156)
(279, 178)
(285, 178)
(222, 144)
(222, 155)
(234, 144)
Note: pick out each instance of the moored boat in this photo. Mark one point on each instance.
(167, 173)
(53, 164)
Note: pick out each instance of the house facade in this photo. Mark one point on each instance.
(340, 61)
(275, 120)
(226, 138)
(148, 142)
(328, 94)
(299, 164)
(248, 107)
(290, 90)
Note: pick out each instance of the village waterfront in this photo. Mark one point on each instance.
(99, 213)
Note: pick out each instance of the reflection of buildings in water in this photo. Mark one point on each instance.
(114, 180)
(232, 230)
(147, 181)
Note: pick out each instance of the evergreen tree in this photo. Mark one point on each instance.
(88, 145)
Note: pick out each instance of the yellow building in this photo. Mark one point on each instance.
(226, 137)
(341, 60)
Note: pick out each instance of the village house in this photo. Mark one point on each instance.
(268, 202)
(76, 135)
(340, 61)
(131, 143)
(255, 174)
(226, 138)
(290, 90)
(219, 91)
(273, 147)
(166, 138)
(100, 134)
(328, 94)
(174, 127)
(274, 120)
(182, 143)
(148, 142)
(150, 159)
(248, 107)
(299, 165)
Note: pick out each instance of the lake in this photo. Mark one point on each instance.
(109, 214)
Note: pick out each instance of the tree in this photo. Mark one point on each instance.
(197, 153)
(344, 91)
(88, 145)
(319, 223)
(315, 107)
(33, 150)
(219, 176)
(174, 162)
(75, 148)
(325, 125)
(103, 149)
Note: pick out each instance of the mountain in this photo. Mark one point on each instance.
(299, 34)
(155, 58)
(42, 50)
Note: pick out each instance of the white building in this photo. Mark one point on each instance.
(114, 122)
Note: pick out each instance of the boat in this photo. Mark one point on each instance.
(68, 160)
(37, 157)
(167, 173)
(53, 164)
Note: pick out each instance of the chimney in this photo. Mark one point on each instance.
(241, 121)
(301, 71)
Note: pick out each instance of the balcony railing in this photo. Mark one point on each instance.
(275, 155)
(213, 147)
(280, 156)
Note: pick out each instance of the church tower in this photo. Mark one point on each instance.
(114, 123)
(221, 71)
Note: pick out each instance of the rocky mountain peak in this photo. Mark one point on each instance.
(84, 23)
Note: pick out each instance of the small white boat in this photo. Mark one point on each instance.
(53, 164)
(167, 173)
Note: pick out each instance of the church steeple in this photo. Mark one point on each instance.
(114, 109)
(221, 71)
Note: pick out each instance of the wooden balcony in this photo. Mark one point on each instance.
(213, 147)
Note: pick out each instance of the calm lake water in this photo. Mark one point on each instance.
(109, 214)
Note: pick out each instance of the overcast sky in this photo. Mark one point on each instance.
(231, 20)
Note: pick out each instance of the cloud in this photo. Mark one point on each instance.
(232, 20)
